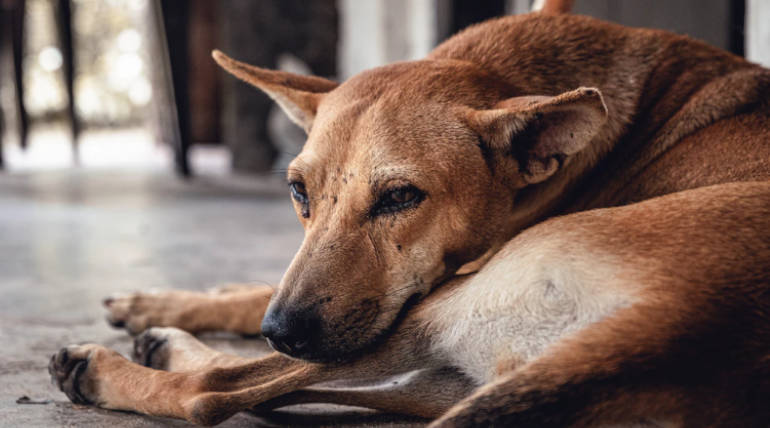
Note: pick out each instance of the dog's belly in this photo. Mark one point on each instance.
(518, 305)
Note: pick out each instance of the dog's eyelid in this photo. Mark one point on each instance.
(299, 194)
(384, 185)
(293, 179)
(385, 203)
(297, 184)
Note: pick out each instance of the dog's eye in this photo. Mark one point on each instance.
(299, 194)
(397, 199)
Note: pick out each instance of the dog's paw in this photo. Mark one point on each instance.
(151, 349)
(170, 349)
(139, 311)
(130, 311)
(69, 370)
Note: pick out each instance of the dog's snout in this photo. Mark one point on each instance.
(290, 331)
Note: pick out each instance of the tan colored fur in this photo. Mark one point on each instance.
(194, 312)
(620, 312)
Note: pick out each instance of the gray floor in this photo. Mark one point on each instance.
(69, 238)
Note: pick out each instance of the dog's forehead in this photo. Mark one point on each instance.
(441, 81)
(383, 137)
(391, 118)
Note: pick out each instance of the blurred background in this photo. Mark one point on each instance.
(130, 83)
(129, 161)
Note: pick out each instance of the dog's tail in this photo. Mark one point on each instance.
(554, 7)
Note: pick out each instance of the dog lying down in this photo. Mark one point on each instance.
(550, 221)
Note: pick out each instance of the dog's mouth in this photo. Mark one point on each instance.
(384, 333)
(332, 352)
(340, 354)
(291, 351)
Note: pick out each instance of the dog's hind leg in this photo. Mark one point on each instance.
(425, 393)
(630, 367)
(238, 309)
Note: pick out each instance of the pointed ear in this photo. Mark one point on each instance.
(298, 95)
(541, 132)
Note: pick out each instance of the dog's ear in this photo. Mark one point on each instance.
(540, 132)
(298, 95)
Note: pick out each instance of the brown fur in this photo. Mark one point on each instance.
(507, 124)
(191, 311)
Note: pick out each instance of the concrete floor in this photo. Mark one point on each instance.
(69, 238)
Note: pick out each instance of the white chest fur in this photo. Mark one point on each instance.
(527, 297)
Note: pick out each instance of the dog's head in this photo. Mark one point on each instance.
(409, 172)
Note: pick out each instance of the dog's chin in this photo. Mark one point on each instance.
(307, 353)
(330, 352)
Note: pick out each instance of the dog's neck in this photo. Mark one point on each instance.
(691, 86)
(645, 76)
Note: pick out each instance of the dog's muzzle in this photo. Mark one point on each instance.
(291, 332)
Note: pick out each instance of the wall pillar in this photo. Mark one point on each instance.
(377, 32)
(758, 31)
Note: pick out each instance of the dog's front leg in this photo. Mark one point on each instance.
(175, 350)
(235, 308)
(426, 393)
(92, 374)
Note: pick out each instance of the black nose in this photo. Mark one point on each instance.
(290, 331)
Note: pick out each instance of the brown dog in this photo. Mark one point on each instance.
(414, 187)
